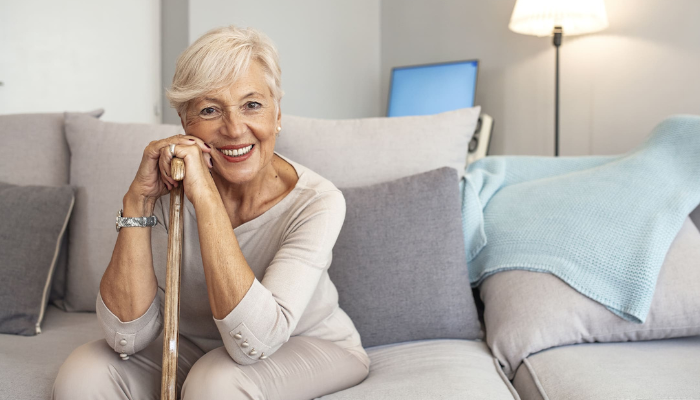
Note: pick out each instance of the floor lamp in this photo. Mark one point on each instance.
(557, 18)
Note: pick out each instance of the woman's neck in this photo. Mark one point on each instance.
(247, 201)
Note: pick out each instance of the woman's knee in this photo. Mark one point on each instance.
(217, 376)
(85, 371)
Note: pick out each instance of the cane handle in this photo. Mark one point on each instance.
(177, 169)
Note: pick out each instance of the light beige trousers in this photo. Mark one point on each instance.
(303, 368)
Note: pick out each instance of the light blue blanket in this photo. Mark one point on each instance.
(603, 224)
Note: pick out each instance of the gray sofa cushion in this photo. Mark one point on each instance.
(357, 152)
(46, 164)
(399, 262)
(695, 216)
(28, 365)
(34, 150)
(104, 159)
(431, 369)
(34, 220)
(657, 369)
(524, 321)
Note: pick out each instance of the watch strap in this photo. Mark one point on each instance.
(138, 222)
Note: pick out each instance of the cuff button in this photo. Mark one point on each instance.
(238, 335)
(124, 356)
(245, 343)
(253, 352)
(122, 342)
(263, 356)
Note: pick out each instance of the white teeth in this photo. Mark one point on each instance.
(237, 152)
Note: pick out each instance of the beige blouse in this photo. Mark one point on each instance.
(288, 248)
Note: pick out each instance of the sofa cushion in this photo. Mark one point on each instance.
(358, 152)
(524, 321)
(34, 150)
(399, 262)
(657, 369)
(47, 164)
(104, 159)
(34, 220)
(28, 365)
(431, 369)
(695, 216)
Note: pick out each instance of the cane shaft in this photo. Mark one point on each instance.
(171, 318)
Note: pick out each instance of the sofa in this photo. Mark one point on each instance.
(399, 267)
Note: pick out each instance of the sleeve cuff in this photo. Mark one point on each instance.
(132, 336)
(238, 327)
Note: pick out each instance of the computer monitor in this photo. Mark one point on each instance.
(432, 88)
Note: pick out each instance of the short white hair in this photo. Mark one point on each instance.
(217, 59)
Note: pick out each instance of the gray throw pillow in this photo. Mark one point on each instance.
(526, 312)
(34, 220)
(399, 262)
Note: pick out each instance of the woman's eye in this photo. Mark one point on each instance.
(253, 105)
(208, 112)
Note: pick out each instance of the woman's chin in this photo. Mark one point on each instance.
(238, 176)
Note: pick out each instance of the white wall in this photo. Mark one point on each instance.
(329, 50)
(79, 55)
(615, 85)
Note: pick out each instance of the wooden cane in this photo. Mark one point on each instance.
(168, 388)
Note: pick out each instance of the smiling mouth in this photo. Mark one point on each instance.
(237, 152)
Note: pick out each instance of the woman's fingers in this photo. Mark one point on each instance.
(204, 146)
(190, 148)
(158, 157)
(164, 165)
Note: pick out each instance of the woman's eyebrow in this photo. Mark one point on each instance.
(251, 94)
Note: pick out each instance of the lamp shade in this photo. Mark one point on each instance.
(576, 17)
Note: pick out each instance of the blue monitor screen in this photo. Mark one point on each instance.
(432, 89)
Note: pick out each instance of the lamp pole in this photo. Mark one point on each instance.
(558, 31)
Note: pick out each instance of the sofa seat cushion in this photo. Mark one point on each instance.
(656, 369)
(29, 365)
(431, 369)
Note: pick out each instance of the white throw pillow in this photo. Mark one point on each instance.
(358, 152)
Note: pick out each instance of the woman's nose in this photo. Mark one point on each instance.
(234, 126)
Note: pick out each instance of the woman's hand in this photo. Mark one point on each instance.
(153, 178)
(197, 158)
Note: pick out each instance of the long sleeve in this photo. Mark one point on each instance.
(269, 312)
(133, 336)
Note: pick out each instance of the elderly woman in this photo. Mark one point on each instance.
(259, 314)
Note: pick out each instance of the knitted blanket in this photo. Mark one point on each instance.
(602, 224)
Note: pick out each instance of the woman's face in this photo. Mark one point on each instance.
(239, 123)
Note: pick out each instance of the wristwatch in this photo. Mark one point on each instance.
(141, 222)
